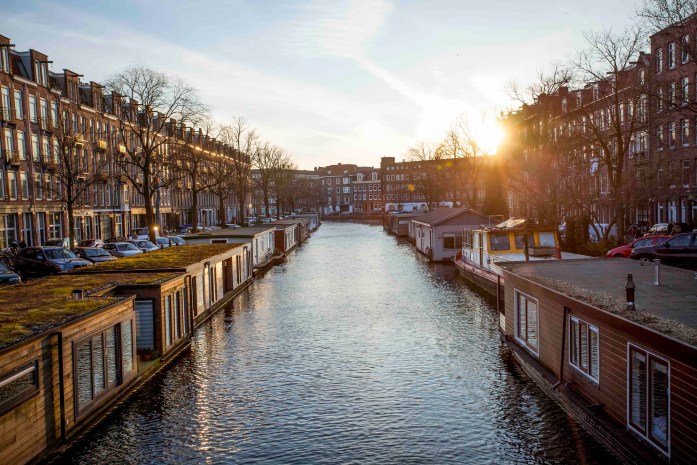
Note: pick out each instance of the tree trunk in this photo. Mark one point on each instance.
(71, 223)
(241, 205)
(149, 208)
(266, 202)
(222, 217)
(194, 205)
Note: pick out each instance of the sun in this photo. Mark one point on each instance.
(489, 136)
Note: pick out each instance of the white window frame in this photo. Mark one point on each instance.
(576, 365)
(524, 343)
(645, 435)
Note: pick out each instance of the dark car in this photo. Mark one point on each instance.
(8, 276)
(625, 250)
(43, 261)
(94, 254)
(680, 251)
(90, 243)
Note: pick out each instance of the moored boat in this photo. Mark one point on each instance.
(513, 240)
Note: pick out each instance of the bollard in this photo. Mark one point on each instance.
(657, 272)
(629, 288)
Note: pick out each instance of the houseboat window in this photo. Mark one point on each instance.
(526, 320)
(452, 241)
(168, 320)
(111, 368)
(17, 386)
(127, 347)
(547, 239)
(649, 385)
(96, 363)
(520, 241)
(499, 242)
(584, 349)
(177, 316)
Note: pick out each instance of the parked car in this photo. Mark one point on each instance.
(94, 254)
(667, 228)
(251, 220)
(176, 240)
(143, 234)
(64, 242)
(122, 249)
(680, 250)
(625, 250)
(163, 242)
(43, 261)
(145, 246)
(8, 276)
(90, 243)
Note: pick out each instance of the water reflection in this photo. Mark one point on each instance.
(355, 350)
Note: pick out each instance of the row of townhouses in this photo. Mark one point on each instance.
(622, 147)
(42, 114)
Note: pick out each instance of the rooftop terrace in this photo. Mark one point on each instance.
(670, 308)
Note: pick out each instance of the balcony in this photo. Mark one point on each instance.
(7, 115)
(45, 124)
(12, 157)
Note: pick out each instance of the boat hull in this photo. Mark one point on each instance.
(487, 280)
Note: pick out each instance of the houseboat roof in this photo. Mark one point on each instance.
(443, 214)
(178, 257)
(249, 231)
(600, 282)
(517, 224)
(35, 307)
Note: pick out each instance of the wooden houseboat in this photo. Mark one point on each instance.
(287, 236)
(628, 376)
(313, 220)
(398, 223)
(261, 238)
(438, 233)
(485, 247)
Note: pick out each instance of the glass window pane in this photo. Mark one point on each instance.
(532, 323)
(659, 402)
(168, 321)
(522, 318)
(583, 332)
(573, 342)
(637, 389)
(594, 366)
(98, 364)
(84, 374)
(111, 366)
(19, 385)
(499, 242)
(127, 346)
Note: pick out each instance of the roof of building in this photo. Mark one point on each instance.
(34, 307)
(163, 259)
(668, 308)
(250, 231)
(439, 215)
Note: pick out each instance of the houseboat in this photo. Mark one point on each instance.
(626, 372)
(438, 233)
(260, 238)
(511, 241)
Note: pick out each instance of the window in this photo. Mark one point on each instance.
(671, 134)
(102, 362)
(648, 412)
(685, 91)
(19, 105)
(685, 50)
(21, 145)
(32, 108)
(672, 93)
(659, 60)
(526, 323)
(35, 152)
(4, 59)
(2, 184)
(671, 55)
(18, 385)
(660, 143)
(499, 242)
(685, 132)
(25, 184)
(584, 348)
(452, 241)
(12, 178)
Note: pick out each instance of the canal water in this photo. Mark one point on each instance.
(356, 350)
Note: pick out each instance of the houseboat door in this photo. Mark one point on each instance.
(481, 249)
(145, 328)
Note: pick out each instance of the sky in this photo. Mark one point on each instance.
(334, 81)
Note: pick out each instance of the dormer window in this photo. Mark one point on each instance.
(374, 176)
(4, 59)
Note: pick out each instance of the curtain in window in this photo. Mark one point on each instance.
(637, 390)
(659, 402)
(98, 364)
(84, 374)
(111, 366)
(127, 347)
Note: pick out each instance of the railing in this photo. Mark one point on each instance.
(45, 124)
(7, 115)
(12, 157)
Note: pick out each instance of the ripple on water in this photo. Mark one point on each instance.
(355, 350)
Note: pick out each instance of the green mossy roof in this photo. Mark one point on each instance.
(34, 307)
(171, 257)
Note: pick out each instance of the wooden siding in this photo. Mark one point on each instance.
(615, 333)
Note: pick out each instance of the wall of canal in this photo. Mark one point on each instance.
(354, 350)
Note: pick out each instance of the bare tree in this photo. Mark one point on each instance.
(243, 141)
(193, 151)
(430, 175)
(609, 63)
(145, 101)
(71, 170)
(285, 185)
(266, 159)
